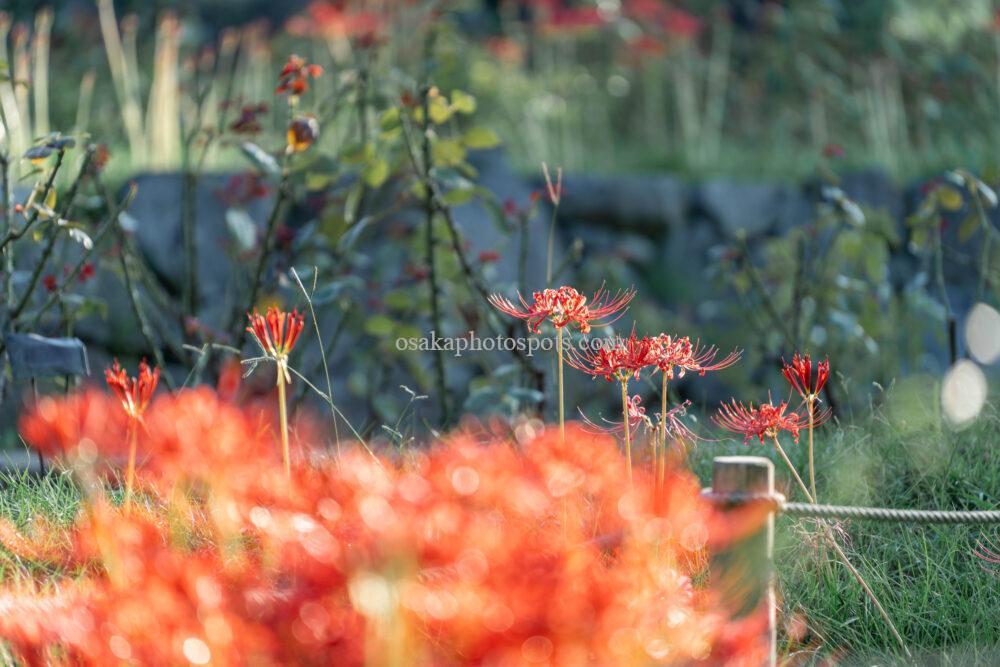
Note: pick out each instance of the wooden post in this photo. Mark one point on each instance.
(743, 571)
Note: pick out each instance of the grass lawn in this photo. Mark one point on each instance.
(943, 599)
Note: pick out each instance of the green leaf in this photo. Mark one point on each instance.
(439, 110)
(242, 228)
(261, 159)
(448, 152)
(358, 154)
(318, 181)
(949, 198)
(458, 196)
(968, 228)
(481, 137)
(398, 300)
(376, 173)
(379, 325)
(463, 102)
(389, 120)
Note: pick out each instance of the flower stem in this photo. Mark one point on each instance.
(133, 437)
(795, 473)
(551, 245)
(562, 414)
(812, 467)
(283, 423)
(628, 435)
(661, 459)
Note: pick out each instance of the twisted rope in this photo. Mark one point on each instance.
(887, 514)
(802, 510)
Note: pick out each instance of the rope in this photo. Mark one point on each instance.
(886, 514)
(777, 501)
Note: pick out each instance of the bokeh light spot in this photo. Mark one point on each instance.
(963, 392)
(982, 333)
(537, 648)
(196, 651)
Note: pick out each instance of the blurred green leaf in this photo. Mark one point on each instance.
(463, 102)
(376, 172)
(261, 159)
(389, 120)
(379, 325)
(480, 138)
(448, 152)
(949, 198)
(968, 228)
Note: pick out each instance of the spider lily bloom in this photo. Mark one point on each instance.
(636, 417)
(563, 307)
(276, 333)
(294, 77)
(763, 421)
(799, 376)
(618, 359)
(676, 356)
(680, 353)
(135, 394)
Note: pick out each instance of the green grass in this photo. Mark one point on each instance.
(941, 597)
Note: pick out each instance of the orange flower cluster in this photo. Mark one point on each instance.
(476, 551)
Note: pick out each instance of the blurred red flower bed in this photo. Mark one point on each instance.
(481, 549)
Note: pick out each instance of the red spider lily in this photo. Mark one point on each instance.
(276, 332)
(763, 421)
(614, 359)
(676, 428)
(799, 375)
(134, 393)
(681, 354)
(636, 416)
(565, 306)
(295, 75)
(457, 550)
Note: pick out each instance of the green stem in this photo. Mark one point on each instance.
(812, 467)
(791, 468)
(562, 421)
(133, 437)
(283, 422)
(628, 435)
(551, 244)
(661, 458)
